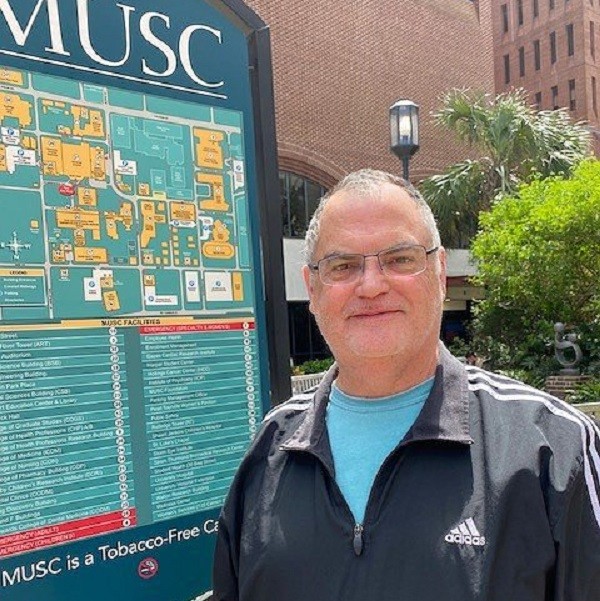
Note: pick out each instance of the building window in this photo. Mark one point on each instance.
(592, 39)
(552, 47)
(299, 199)
(570, 40)
(506, 68)
(505, 18)
(571, 94)
(551, 4)
(536, 8)
(522, 61)
(538, 100)
(594, 98)
(520, 11)
(537, 59)
(554, 91)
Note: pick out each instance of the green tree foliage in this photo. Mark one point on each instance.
(538, 255)
(517, 144)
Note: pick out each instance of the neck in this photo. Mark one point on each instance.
(378, 377)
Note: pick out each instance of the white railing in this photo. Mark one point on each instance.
(302, 383)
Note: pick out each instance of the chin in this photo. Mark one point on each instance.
(378, 346)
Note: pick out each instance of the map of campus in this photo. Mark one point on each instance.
(117, 203)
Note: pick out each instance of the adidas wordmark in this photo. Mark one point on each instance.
(465, 533)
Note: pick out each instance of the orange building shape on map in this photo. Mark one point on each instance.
(87, 197)
(11, 105)
(217, 201)
(182, 211)
(80, 220)
(85, 254)
(124, 216)
(238, 286)
(151, 216)
(209, 152)
(76, 161)
(219, 247)
(29, 142)
(87, 122)
(111, 300)
(14, 78)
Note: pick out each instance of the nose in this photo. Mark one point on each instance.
(373, 281)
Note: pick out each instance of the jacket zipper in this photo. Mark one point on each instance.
(357, 543)
(357, 537)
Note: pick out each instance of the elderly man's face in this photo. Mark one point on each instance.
(378, 315)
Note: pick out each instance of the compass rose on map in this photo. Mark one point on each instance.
(16, 246)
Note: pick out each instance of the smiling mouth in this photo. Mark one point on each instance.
(379, 313)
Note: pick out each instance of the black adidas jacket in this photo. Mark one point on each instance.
(491, 496)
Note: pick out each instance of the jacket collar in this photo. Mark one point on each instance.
(444, 417)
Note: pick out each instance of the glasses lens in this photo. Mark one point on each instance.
(342, 268)
(404, 260)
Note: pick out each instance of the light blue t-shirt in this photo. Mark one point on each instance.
(363, 432)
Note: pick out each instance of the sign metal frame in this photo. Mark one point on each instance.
(270, 306)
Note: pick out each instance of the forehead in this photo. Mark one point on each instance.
(358, 222)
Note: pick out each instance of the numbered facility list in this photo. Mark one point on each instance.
(201, 389)
(110, 426)
(65, 451)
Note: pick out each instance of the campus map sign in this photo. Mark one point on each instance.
(132, 329)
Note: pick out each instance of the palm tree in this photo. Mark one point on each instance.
(518, 145)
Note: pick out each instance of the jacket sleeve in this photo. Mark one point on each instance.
(577, 534)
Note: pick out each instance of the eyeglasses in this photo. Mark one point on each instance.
(403, 260)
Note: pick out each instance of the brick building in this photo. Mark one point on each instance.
(338, 67)
(550, 48)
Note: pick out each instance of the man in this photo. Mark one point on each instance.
(407, 476)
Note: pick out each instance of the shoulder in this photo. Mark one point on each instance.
(523, 407)
(291, 408)
(278, 425)
(502, 389)
(264, 457)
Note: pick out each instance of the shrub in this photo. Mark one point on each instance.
(315, 366)
(588, 392)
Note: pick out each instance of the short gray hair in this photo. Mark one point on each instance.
(366, 183)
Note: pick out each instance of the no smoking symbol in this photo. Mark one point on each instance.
(147, 568)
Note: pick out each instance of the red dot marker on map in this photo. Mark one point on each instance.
(66, 189)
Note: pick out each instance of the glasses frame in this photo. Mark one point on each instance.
(314, 267)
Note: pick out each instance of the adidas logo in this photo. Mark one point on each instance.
(465, 534)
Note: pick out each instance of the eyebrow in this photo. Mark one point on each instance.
(344, 253)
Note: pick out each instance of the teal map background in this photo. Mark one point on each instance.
(118, 210)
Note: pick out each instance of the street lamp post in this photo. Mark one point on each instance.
(404, 131)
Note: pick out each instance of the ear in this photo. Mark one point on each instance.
(308, 282)
(442, 274)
